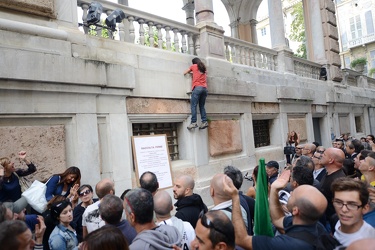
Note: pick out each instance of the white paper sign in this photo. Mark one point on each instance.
(151, 154)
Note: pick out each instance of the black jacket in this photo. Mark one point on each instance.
(189, 207)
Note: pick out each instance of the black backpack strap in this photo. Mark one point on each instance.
(305, 236)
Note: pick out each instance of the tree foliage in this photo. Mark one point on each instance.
(297, 29)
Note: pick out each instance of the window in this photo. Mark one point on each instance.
(263, 31)
(261, 130)
(369, 22)
(344, 41)
(355, 27)
(170, 129)
(347, 62)
(372, 58)
(358, 124)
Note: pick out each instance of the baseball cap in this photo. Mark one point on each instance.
(273, 164)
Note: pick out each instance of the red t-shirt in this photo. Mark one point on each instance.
(199, 79)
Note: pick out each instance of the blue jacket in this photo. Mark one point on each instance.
(62, 238)
(53, 188)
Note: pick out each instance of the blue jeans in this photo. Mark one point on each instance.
(198, 95)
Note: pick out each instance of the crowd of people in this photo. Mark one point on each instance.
(324, 198)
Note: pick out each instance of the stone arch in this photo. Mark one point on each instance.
(242, 17)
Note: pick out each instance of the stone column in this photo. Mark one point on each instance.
(189, 10)
(314, 32)
(234, 29)
(211, 36)
(275, 10)
(322, 36)
(204, 11)
(253, 27)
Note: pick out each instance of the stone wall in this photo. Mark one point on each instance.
(44, 145)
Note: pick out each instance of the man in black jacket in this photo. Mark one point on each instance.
(188, 204)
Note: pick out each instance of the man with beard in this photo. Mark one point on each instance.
(188, 204)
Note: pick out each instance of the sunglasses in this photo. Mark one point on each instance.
(320, 151)
(85, 192)
(207, 223)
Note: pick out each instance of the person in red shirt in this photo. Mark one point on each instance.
(199, 93)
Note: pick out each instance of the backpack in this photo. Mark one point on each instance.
(323, 241)
(245, 206)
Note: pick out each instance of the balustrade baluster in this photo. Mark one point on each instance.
(168, 37)
(85, 8)
(141, 32)
(243, 59)
(227, 55)
(183, 41)
(238, 54)
(160, 37)
(197, 45)
(191, 43)
(131, 29)
(252, 58)
(110, 32)
(247, 56)
(257, 59)
(269, 63)
(121, 30)
(272, 60)
(176, 40)
(233, 52)
(151, 38)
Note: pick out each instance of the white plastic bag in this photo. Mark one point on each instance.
(36, 196)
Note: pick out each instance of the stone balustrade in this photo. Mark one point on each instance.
(162, 32)
(306, 68)
(246, 53)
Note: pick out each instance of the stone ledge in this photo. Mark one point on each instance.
(37, 7)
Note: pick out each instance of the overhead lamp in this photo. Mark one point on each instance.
(94, 13)
(115, 17)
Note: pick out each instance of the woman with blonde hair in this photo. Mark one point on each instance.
(10, 187)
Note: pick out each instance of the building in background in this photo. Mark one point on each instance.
(357, 36)
(72, 98)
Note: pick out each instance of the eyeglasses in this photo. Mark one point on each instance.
(349, 206)
(320, 151)
(209, 224)
(85, 192)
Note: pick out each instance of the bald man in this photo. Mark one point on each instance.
(91, 219)
(188, 205)
(306, 204)
(332, 159)
(222, 200)
(163, 207)
(308, 149)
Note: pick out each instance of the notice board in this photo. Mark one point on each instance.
(150, 153)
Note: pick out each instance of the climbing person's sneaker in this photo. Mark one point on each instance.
(203, 125)
(192, 126)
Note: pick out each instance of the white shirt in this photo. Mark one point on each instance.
(91, 218)
(186, 230)
(225, 204)
(317, 172)
(366, 231)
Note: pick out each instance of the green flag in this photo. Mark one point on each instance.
(262, 218)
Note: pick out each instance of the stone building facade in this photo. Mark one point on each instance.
(69, 98)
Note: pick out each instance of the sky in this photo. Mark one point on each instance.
(172, 9)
